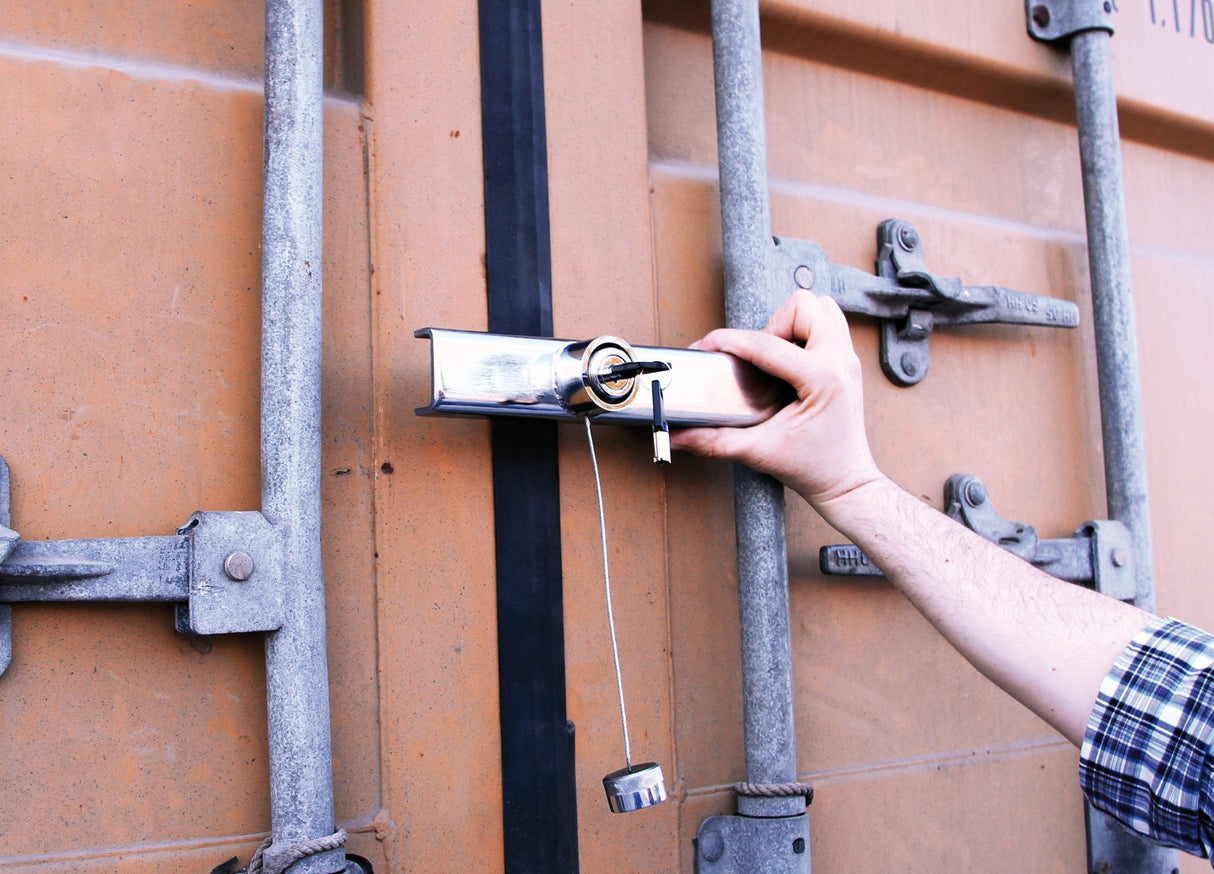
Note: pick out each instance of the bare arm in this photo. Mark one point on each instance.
(1046, 642)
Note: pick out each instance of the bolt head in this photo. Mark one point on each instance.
(711, 844)
(908, 238)
(804, 277)
(975, 493)
(238, 566)
(1041, 16)
(1119, 557)
(910, 364)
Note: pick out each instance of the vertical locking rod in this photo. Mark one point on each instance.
(297, 688)
(1086, 26)
(1113, 300)
(767, 705)
(1125, 467)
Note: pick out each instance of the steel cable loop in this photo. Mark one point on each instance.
(284, 859)
(615, 649)
(775, 790)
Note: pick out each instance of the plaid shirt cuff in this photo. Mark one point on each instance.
(1145, 759)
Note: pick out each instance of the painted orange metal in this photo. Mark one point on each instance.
(131, 198)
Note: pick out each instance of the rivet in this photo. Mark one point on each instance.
(975, 493)
(804, 277)
(1119, 557)
(908, 238)
(238, 566)
(910, 364)
(1041, 16)
(711, 844)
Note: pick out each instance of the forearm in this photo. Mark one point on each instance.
(1046, 642)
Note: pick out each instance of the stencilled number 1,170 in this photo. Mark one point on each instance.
(1159, 16)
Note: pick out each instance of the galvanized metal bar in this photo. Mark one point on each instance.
(117, 569)
(297, 689)
(1086, 26)
(1121, 416)
(1069, 560)
(1113, 300)
(767, 703)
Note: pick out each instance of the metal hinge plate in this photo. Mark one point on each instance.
(235, 574)
(1053, 20)
(744, 845)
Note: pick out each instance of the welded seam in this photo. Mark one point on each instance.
(136, 69)
(917, 209)
(874, 202)
(366, 125)
(909, 764)
(664, 503)
(365, 824)
(146, 71)
(220, 844)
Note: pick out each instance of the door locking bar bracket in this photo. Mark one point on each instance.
(742, 844)
(1054, 20)
(908, 298)
(1099, 555)
(222, 570)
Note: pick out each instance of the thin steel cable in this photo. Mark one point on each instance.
(615, 650)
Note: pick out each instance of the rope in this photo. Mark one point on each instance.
(284, 859)
(775, 790)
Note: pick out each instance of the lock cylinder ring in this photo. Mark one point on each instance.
(580, 381)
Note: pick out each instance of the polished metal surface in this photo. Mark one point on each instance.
(474, 373)
(635, 788)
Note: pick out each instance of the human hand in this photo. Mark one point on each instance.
(816, 443)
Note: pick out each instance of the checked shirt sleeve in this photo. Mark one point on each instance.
(1146, 757)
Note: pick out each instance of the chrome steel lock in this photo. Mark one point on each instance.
(478, 374)
(586, 377)
(603, 375)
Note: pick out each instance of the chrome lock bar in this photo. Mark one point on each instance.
(480, 374)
